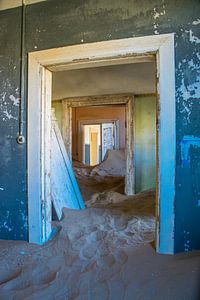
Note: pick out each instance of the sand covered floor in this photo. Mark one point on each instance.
(107, 176)
(102, 252)
(99, 253)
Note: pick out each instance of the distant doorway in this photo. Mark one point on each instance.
(91, 144)
(97, 139)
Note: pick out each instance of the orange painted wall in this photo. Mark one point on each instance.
(97, 113)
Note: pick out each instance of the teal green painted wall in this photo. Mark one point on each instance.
(145, 142)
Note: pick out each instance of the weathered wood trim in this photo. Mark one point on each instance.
(101, 62)
(109, 95)
(117, 135)
(67, 127)
(46, 154)
(106, 50)
(145, 95)
(33, 151)
(39, 112)
(115, 99)
(166, 136)
(130, 148)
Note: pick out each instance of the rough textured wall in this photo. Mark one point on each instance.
(58, 23)
(13, 223)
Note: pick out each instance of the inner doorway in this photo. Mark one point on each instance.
(96, 139)
(91, 144)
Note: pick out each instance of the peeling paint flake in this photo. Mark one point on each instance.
(8, 115)
(189, 89)
(14, 100)
(156, 15)
(192, 37)
(196, 22)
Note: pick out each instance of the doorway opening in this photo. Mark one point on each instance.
(96, 55)
(91, 144)
(96, 139)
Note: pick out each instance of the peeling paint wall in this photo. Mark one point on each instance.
(13, 213)
(57, 23)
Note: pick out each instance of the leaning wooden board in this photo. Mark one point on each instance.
(64, 188)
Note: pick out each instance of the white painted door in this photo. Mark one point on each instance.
(64, 188)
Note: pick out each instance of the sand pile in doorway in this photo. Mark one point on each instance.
(107, 176)
(99, 253)
(114, 164)
(80, 169)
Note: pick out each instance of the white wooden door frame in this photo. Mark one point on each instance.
(69, 103)
(115, 99)
(38, 149)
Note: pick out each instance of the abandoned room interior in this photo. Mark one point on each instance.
(98, 137)
(100, 149)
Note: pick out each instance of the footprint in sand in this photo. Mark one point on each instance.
(43, 275)
(6, 276)
(89, 250)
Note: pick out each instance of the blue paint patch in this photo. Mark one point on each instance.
(186, 143)
(187, 246)
(198, 202)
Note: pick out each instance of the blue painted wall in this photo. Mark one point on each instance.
(57, 23)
